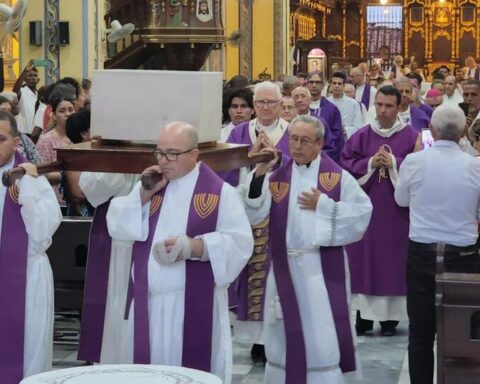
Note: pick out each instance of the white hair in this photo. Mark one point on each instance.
(267, 86)
(448, 122)
(316, 124)
(302, 89)
(10, 96)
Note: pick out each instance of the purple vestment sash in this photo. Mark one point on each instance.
(366, 96)
(96, 287)
(333, 266)
(199, 279)
(13, 281)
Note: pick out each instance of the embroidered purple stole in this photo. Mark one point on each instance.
(333, 265)
(13, 281)
(96, 287)
(366, 96)
(199, 279)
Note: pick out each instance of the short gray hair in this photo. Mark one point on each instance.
(316, 123)
(267, 86)
(448, 122)
(403, 80)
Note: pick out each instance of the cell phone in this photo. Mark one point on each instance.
(427, 138)
(464, 107)
(40, 62)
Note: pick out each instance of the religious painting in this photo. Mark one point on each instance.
(442, 14)
(416, 15)
(204, 10)
(468, 14)
(316, 60)
(176, 9)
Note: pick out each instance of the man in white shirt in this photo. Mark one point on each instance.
(364, 93)
(452, 96)
(27, 93)
(428, 183)
(352, 117)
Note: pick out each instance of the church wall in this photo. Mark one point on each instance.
(231, 50)
(71, 55)
(262, 33)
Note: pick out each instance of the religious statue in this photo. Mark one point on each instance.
(155, 12)
(176, 13)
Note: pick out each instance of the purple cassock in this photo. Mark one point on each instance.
(366, 96)
(247, 293)
(420, 120)
(333, 267)
(377, 262)
(427, 109)
(334, 137)
(13, 281)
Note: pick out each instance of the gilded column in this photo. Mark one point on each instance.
(406, 31)
(362, 30)
(245, 47)
(478, 32)
(52, 49)
(428, 34)
(455, 31)
(344, 28)
(281, 44)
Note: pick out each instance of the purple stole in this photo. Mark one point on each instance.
(96, 287)
(333, 265)
(13, 281)
(199, 279)
(420, 119)
(366, 96)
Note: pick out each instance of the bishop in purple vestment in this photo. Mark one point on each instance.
(373, 155)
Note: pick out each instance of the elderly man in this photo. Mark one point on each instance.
(471, 95)
(30, 215)
(373, 155)
(472, 70)
(364, 93)
(408, 113)
(192, 239)
(289, 84)
(315, 209)
(452, 96)
(429, 180)
(325, 109)
(267, 97)
(352, 117)
(288, 110)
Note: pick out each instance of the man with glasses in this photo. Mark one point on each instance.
(373, 155)
(191, 240)
(315, 209)
(325, 109)
(268, 127)
(364, 93)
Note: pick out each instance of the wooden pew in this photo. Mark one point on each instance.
(458, 328)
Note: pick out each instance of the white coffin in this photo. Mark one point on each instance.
(135, 104)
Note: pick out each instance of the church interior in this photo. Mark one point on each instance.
(258, 40)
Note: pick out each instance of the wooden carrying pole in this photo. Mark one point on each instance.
(132, 158)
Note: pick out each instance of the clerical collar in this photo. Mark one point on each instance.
(192, 174)
(396, 127)
(267, 128)
(307, 165)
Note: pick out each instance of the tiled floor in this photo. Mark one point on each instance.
(383, 359)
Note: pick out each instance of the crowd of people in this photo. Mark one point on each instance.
(347, 217)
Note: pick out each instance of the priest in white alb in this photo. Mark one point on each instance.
(192, 239)
(315, 209)
(29, 216)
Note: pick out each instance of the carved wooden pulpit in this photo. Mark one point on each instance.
(458, 328)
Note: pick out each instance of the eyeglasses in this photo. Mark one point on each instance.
(170, 156)
(267, 103)
(315, 82)
(302, 140)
